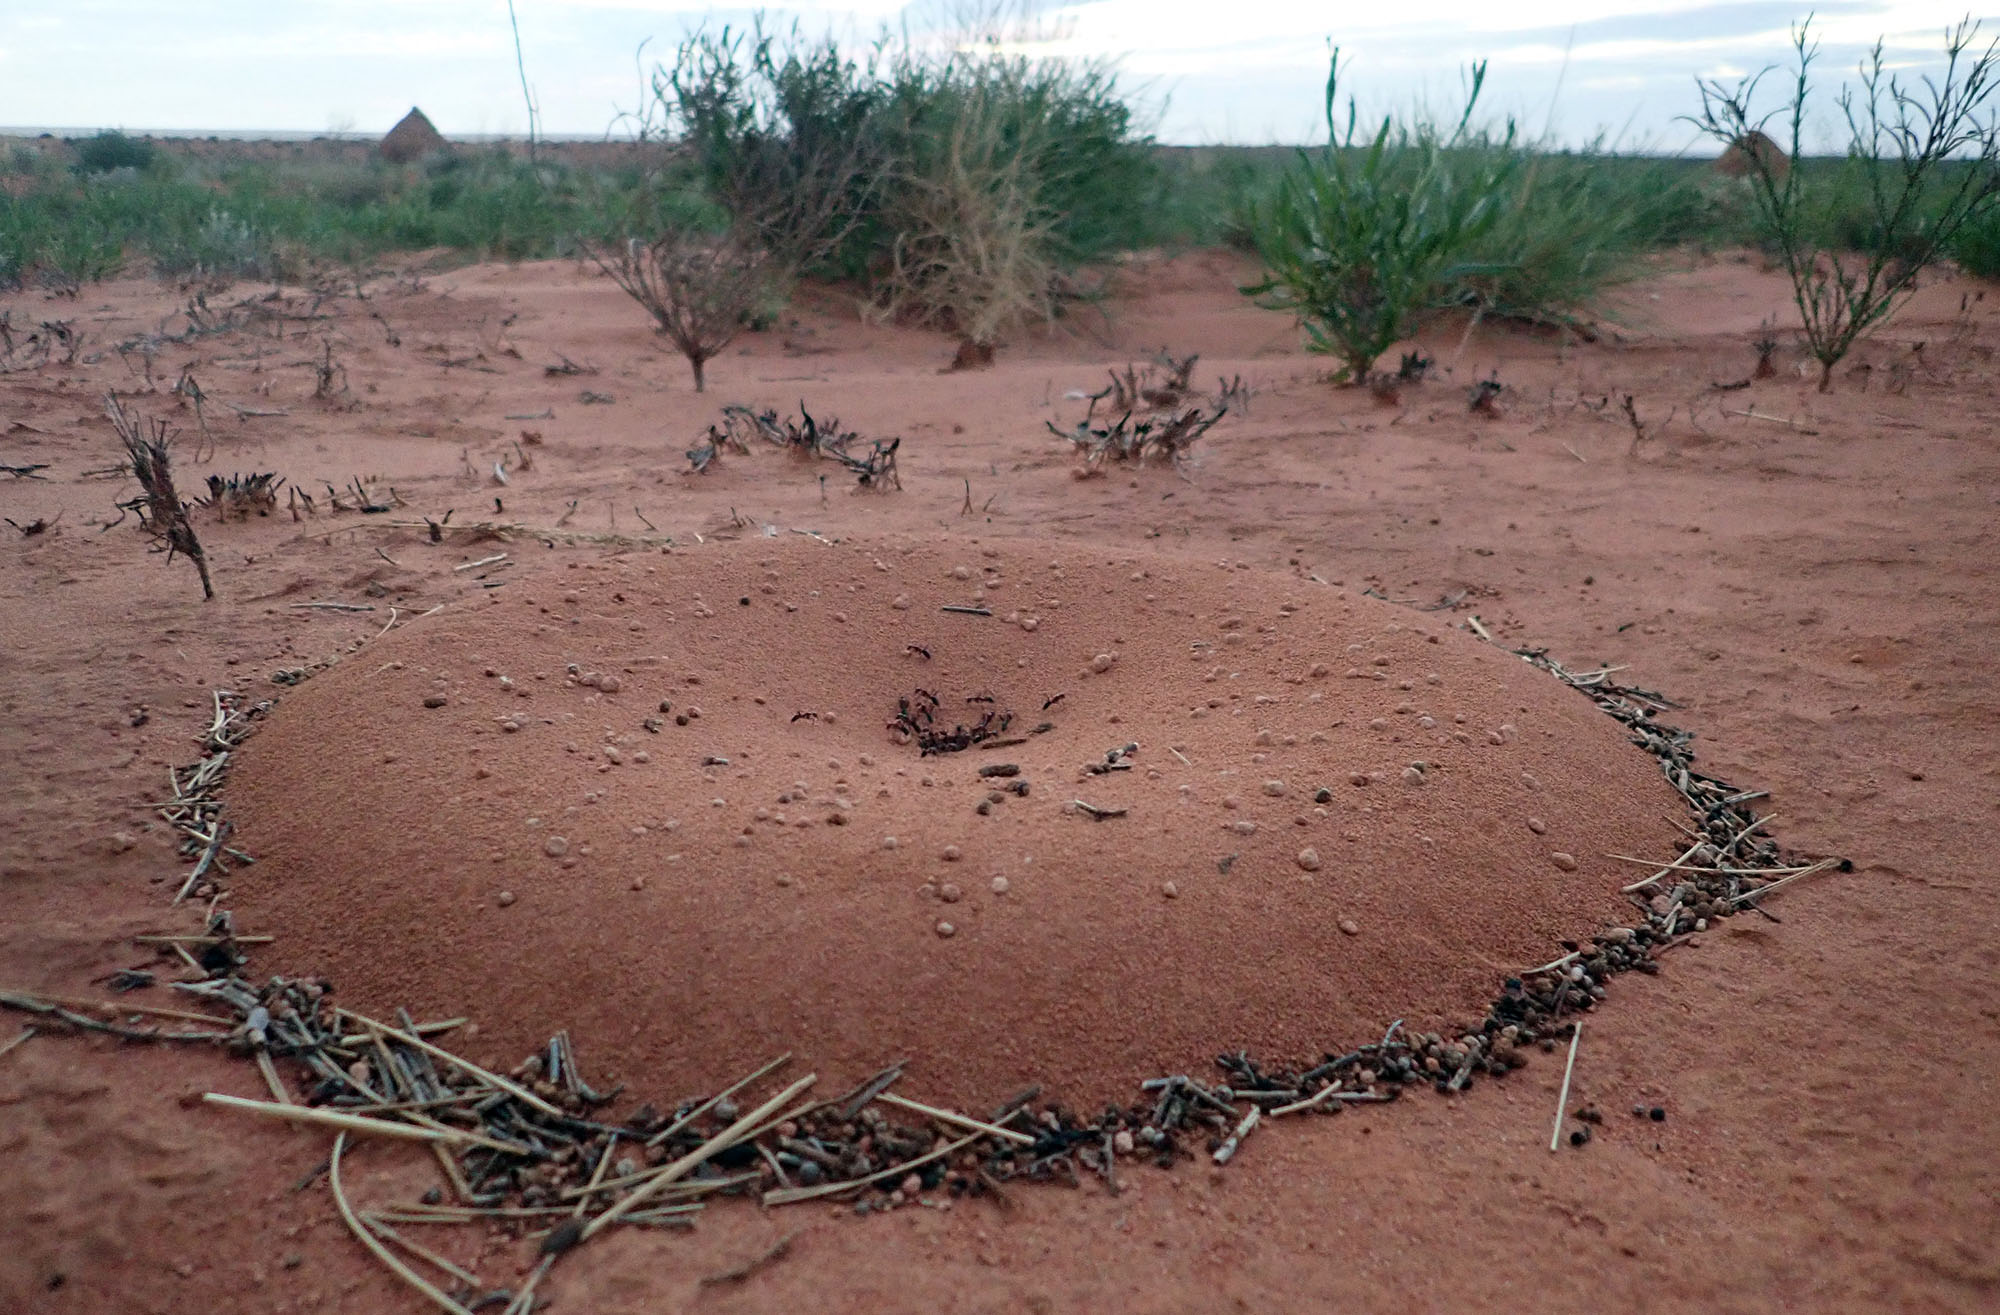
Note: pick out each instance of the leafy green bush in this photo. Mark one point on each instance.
(1365, 234)
(113, 150)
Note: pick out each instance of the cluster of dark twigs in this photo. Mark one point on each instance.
(51, 342)
(1160, 385)
(916, 718)
(161, 511)
(195, 807)
(822, 440)
(241, 496)
(1124, 439)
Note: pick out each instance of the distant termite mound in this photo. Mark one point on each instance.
(1013, 812)
(413, 137)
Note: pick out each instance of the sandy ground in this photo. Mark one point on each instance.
(1812, 581)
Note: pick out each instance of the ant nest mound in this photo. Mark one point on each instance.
(1015, 813)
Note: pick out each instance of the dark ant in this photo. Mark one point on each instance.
(919, 650)
(805, 716)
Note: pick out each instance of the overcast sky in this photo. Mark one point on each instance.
(1246, 71)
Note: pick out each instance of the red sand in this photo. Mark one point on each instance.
(1816, 588)
(796, 862)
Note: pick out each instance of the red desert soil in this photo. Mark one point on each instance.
(778, 875)
(1813, 580)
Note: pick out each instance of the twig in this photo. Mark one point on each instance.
(1094, 811)
(1227, 1150)
(1815, 868)
(25, 1033)
(515, 1090)
(789, 1195)
(483, 561)
(1748, 414)
(967, 611)
(1562, 1098)
(1329, 1093)
(357, 1124)
(956, 1120)
(687, 1163)
(716, 1099)
(771, 1254)
(374, 1243)
(339, 607)
(381, 1229)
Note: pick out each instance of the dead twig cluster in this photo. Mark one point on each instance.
(52, 342)
(1160, 385)
(161, 511)
(1167, 438)
(241, 496)
(821, 440)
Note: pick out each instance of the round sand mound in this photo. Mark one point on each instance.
(677, 805)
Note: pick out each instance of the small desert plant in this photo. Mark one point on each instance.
(162, 514)
(817, 439)
(1927, 159)
(1363, 235)
(701, 289)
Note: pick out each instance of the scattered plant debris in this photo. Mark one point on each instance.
(242, 496)
(1126, 440)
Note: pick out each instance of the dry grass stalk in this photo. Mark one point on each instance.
(374, 1244)
(161, 510)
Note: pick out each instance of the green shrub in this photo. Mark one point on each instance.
(1977, 249)
(1365, 234)
(113, 150)
(1568, 224)
(956, 187)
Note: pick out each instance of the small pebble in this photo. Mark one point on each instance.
(504, 898)
(1102, 663)
(1171, 890)
(1309, 859)
(434, 701)
(1121, 1142)
(1536, 825)
(889, 842)
(946, 930)
(949, 893)
(555, 846)
(950, 854)
(1000, 885)
(1350, 926)
(1567, 862)
(1275, 789)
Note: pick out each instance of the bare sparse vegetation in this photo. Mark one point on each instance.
(700, 289)
(162, 514)
(1163, 438)
(1925, 156)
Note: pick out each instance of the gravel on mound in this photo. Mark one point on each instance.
(659, 801)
